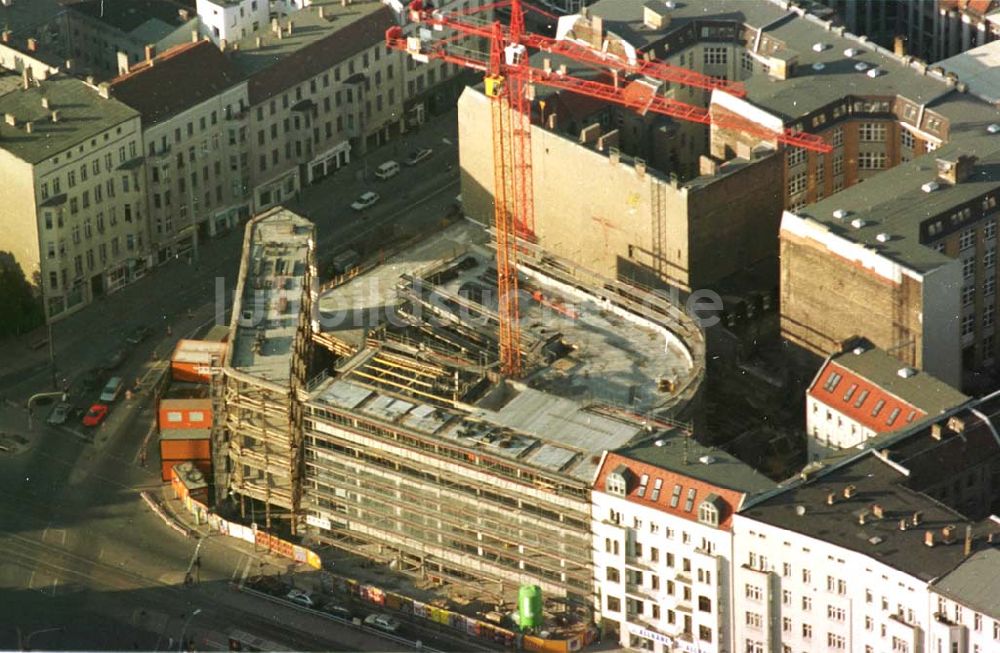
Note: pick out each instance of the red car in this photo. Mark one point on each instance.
(95, 415)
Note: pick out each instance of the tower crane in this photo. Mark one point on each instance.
(509, 81)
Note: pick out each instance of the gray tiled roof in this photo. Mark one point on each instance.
(83, 114)
(975, 583)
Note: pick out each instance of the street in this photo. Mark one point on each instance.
(86, 564)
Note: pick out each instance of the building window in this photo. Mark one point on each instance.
(872, 132)
(835, 641)
(807, 603)
(906, 138)
(752, 592)
(989, 313)
(989, 285)
(614, 575)
(990, 256)
(614, 604)
(969, 267)
(838, 166)
(807, 631)
(615, 484)
(797, 183)
(708, 513)
(837, 137)
(753, 620)
(967, 239)
(796, 156)
(968, 294)
(968, 324)
(716, 56)
(871, 160)
(990, 230)
(753, 646)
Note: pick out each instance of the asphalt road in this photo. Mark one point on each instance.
(84, 563)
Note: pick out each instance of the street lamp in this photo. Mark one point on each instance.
(187, 622)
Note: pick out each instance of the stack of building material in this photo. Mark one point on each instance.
(185, 420)
(193, 360)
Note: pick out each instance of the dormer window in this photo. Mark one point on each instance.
(709, 510)
(617, 481)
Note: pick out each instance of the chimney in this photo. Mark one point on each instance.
(968, 541)
(10, 119)
(322, 12)
(948, 534)
(291, 26)
(918, 517)
(5, 36)
(849, 491)
(275, 27)
(831, 498)
(547, 65)
(194, 36)
(68, 65)
(281, 34)
(32, 45)
(902, 524)
(899, 46)
(26, 78)
(90, 79)
(956, 424)
(877, 510)
(551, 120)
(562, 69)
(122, 62)
(862, 517)
(640, 167)
(709, 167)
(614, 156)
(936, 431)
(55, 116)
(150, 51)
(29, 127)
(223, 44)
(929, 538)
(654, 17)
(104, 90)
(45, 103)
(260, 42)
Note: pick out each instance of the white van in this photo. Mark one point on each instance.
(387, 170)
(112, 389)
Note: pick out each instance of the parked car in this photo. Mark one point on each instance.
(383, 622)
(366, 200)
(138, 334)
(417, 156)
(95, 415)
(339, 611)
(112, 390)
(59, 413)
(117, 357)
(301, 597)
(387, 170)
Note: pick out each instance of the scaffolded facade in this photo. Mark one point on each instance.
(266, 365)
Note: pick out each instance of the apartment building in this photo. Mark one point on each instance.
(966, 615)
(232, 20)
(843, 558)
(73, 191)
(864, 392)
(105, 38)
(193, 105)
(663, 546)
(928, 29)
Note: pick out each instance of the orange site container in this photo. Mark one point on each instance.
(185, 450)
(192, 360)
(185, 414)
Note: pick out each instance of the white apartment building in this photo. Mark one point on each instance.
(843, 561)
(73, 189)
(194, 112)
(966, 605)
(863, 392)
(232, 20)
(662, 528)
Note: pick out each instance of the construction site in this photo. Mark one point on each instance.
(375, 417)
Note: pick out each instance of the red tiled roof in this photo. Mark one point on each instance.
(851, 386)
(730, 499)
(178, 79)
(321, 55)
